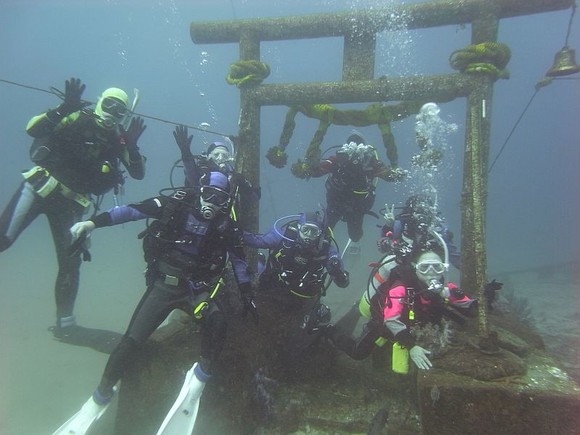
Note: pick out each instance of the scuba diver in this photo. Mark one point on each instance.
(415, 225)
(78, 154)
(301, 256)
(186, 249)
(217, 157)
(350, 186)
(414, 293)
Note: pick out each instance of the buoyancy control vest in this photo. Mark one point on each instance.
(420, 306)
(193, 245)
(399, 275)
(350, 177)
(80, 154)
(301, 269)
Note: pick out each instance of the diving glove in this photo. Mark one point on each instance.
(183, 141)
(419, 357)
(247, 295)
(131, 135)
(81, 228)
(73, 90)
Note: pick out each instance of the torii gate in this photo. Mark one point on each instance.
(359, 30)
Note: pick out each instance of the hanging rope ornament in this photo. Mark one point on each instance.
(486, 58)
(377, 114)
(246, 73)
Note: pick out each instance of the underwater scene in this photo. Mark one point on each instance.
(323, 217)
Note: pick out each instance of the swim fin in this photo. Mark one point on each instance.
(351, 248)
(82, 421)
(182, 415)
(100, 340)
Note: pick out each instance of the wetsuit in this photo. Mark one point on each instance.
(350, 190)
(390, 310)
(294, 271)
(291, 287)
(75, 159)
(186, 257)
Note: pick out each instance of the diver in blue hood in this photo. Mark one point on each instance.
(186, 246)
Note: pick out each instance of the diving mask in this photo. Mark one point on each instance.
(309, 232)
(220, 156)
(215, 196)
(117, 109)
(431, 266)
(112, 107)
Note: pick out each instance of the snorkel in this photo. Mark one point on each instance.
(132, 108)
(445, 251)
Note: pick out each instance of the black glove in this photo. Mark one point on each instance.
(333, 265)
(72, 101)
(247, 295)
(132, 134)
(183, 142)
(73, 90)
(341, 277)
(490, 292)
(493, 285)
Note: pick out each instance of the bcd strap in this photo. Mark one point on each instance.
(201, 309)
(44, 184)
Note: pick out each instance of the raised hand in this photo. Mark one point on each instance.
(73, 90)
(134, 131)
(183, 141)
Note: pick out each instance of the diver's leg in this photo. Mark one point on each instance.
(355, 226)
(62, 214)
(22, 209)
(155, 305)
(213, 335)
(359, 348)
(333, 210)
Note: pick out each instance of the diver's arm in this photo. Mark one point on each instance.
(325, 166)
(240, 267)
(134, 161)
(44, 124)
(262, 241)
(335, 267)
(130, 155)
(150, 208)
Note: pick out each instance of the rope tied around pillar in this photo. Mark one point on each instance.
(489, 58)
(246, 73)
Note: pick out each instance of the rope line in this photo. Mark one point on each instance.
(60, 94)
